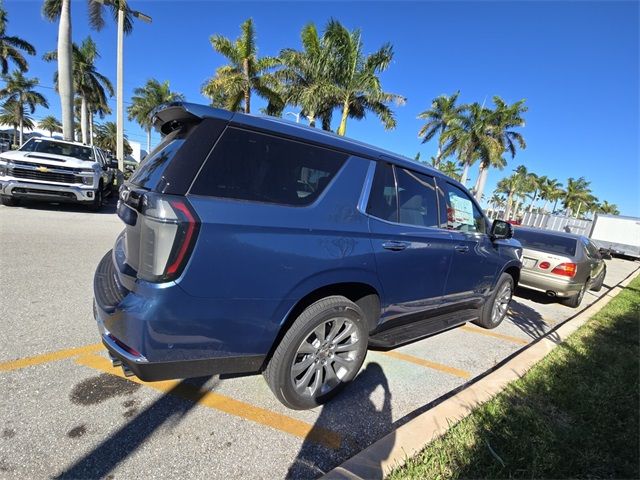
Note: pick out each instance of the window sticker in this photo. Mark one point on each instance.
(461, 211)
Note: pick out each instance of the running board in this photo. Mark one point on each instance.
(409, 332)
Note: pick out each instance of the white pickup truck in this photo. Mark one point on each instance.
(56, 171)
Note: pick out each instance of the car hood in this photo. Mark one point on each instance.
(47, 159)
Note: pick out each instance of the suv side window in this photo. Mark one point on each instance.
(417, 199)
(252, 166)
(383, 200)
(462, 213)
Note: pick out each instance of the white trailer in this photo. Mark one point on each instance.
(619, 234)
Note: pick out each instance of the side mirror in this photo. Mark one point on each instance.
(605, 253)
(113, 163)
(501, 230)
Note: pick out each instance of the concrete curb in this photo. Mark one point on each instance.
(392, 450)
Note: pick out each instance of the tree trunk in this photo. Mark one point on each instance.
(544, 207)
(578, 211)
(436, 163)
(482, 181)
(247, 90)
(533, 200)
(555, 204)
(90, 128)
(465, 173)
(342, 129)
(84, 120)
(21, 121)
(311, 118)
(15, 134)
(148, 140)
(65, 72)
(507, 210)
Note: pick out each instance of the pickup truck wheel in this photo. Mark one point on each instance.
(495, 309)
(9, 201)
(96, 205)
(321, 352)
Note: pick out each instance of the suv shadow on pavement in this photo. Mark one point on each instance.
(362, 415)
(104, 458)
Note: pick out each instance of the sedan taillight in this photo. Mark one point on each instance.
(566, 270)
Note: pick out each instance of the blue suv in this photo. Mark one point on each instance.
(256, 245)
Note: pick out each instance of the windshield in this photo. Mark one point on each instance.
(58, 148)
(546, 242)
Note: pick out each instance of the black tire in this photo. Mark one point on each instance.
(96, 205)
(326, 313)
(597, 285)
(576, 300)
(487, 318)
(9, 201)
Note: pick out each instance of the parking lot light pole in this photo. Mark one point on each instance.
(120, 74)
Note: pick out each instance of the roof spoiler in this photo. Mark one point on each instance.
(171, 116)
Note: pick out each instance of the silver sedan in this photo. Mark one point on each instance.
(562, 265)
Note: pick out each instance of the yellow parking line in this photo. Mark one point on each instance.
(49, 357)
(487, 333)
(426, 363)
(226, 404)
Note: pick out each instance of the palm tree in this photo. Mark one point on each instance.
(51, 124)
(92, 87)
(550, 189)
(469, 137)
(496, 201)
(146, 99)
(576, 194)
(60, 10)
(439, 117)
(12, 114)
(608, 208)
(359, 90)
(537, 183)
(501, 123)
(20, 89)
(11, 47)
(233, 84)
(308, 76)
(449, 168)
(514, 186)
(106, 138)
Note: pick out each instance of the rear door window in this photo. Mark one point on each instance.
(417, 204)
(257, 167)
(383, 199)
(462, 213)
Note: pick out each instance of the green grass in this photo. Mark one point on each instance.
(575, 414)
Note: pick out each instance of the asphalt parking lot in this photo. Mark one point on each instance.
(67, 413)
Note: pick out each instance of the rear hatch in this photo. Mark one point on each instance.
(161, 227)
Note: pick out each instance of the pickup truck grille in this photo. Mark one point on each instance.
(44, 176)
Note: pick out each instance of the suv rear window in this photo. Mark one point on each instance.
(262, 168)
(546, 242)
(149, 174)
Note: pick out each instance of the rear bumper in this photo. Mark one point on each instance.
(158, 332)
(47, 191)
(543, 282)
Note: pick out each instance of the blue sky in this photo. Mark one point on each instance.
(576, 64)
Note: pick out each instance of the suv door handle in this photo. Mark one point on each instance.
(461, 248)
(395, 246)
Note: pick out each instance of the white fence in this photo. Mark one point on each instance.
(558, 223)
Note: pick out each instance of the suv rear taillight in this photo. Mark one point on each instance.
(168, 231)
(565, 269)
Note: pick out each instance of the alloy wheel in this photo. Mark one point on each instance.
(326, 356)
(501, 303)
